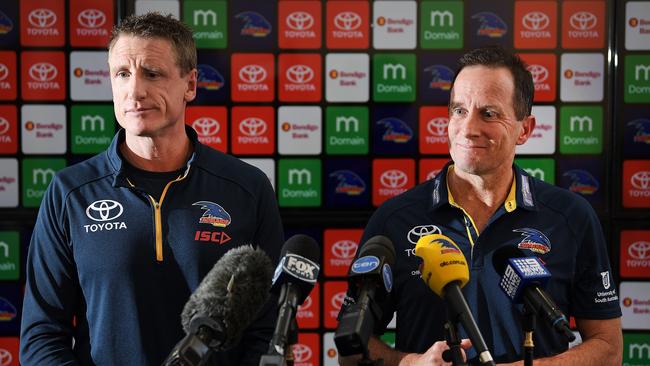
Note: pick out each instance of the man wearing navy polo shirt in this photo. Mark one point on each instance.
(483, 202)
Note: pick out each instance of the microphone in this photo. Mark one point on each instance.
(294, 278)
(523, 279)
(444, 269)
(223, 305)
(370, 279)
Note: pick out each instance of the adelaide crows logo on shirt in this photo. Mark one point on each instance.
(534, 240)
(214, 214)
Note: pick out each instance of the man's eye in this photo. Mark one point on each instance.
(122, 74)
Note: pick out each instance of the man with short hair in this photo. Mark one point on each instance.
(483, 202)
(123, 239)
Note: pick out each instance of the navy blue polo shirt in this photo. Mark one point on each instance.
(551, 223)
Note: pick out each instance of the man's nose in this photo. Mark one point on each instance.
(137, 88)
(470, 126)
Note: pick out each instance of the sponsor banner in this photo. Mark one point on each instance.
(253, 130)
(394, 130)
(346, 130)
(253, 25)
(9, 351)
(300, 130)
(437, 72)
(330, 352)
(299, 24)
(89, 76)
(91, 22)
(348, 24)
(637, 25)
(441, 24)
(635, 254)
(42, 23)
(637, 79)
(636, 183)
(433, 130)
(346, 77)
(8, 75)
(9, 24)
(583, 24)
(43, 75)
(267, 166)
(542, 140)
(394, 25)
(543, 68)
(44, 129)
(212, 87)
(36, 176)
(635, 305)
(542, 169)
(11, 304)
(299, 182)
(339, 249)
(585, 177)
(391, 177)
(162, 6)
(636, 139)
(636, 348)
(209, 21)
(299, 76)
(8, 129)
(430, 168)
(582, 77)
(253, 77)
(92, 128)
(9, 255)
(347, 183)
(394, 77)
(581, 129)
(211, 124)
(333, 297)
(307, 351)
(308, 314)
(489, 23)
(535, 24)
(8, 182)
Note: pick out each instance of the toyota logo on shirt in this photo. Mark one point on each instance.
(43, 71)
(301, 353)
(300, 20)
(104, 210)
(419, 231)
(347, 21)
(252, 74)
(91, 18)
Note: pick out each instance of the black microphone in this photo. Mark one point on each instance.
(294, 278)
(370, 279)
(223, 305)
(522, 279)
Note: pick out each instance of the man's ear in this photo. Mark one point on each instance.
(190, 92)
(528, 125)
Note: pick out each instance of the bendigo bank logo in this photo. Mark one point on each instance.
(105, 213)
(349, 183)
(491, 26)
(582, 182)
(396, 130)
(534, 240)
(255, 25)
(209, 78)
(441, 77)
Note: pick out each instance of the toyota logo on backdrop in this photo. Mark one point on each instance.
(104, 210)
(535, 21)
(419, 231)
(252, 126)
(206, 126)
(641, 180)
(337, 300)
(344, 249)
(43, 72)
(42, 18)
(305, 305)
(639, 250)
(5, 357)
(347, 21)
(301, 353)
(4, 71)
(91, 18)
(539, 73)
(4, 126)
(438, 126)
(300, 20)
(583, 20)
(252, 74)
(300, 74)
(393, 178)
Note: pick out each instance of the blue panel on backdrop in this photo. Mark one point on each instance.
(583, 176)
(253, 25)
(8, 24)
(212, 84)
(437, 72)
(636, 140)
(347, 183)
(394, 130)
(489, 23)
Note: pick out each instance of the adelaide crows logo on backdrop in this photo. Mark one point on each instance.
(534, 240)
(214, 214)
(255, 25)
(441, 77)
(491, 25)
(349, 182)
(396, 130)
(582, 182)
(209, 78)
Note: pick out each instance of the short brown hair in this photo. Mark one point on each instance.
(155, 25)
(496, 56)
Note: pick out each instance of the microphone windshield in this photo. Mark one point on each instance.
(232, 292)
(299, 265)
(442, 262)
(501, 256)
(379, 246)
(303, 246)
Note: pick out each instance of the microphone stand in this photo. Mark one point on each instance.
(454, 354)
(528, 326)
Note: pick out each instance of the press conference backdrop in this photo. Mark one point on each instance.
(343, 105)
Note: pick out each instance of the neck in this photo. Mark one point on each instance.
(487, 190)
(157, 154)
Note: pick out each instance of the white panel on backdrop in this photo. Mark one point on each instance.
(394, 25)
(44, 129)
(299, 130)
(8, 183)
(582, 77)
(265, 165)
(347, 76)
(542, 141)
(89, 76)
(162, 6)
(637, 25)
